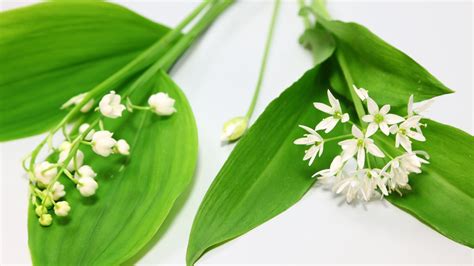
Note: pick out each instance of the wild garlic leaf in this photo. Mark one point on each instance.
(264, 174)
(390, 75)
(53, 51)
(135, 193)
(321, 43)
(442, 196)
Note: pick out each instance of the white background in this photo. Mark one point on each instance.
(218, 76)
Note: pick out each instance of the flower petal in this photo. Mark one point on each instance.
(360, 158)
(356, 132)
(374, 150)
(371, 129)
(368, 118)
(332, 100)
(384, 128)
(324, 123)
(331, 125)
(372, 106)
(393, 119)
(410, 106)
(324, 108)
(345, 118)
(416, 135)
(385, 109)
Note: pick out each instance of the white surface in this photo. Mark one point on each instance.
(218, 76)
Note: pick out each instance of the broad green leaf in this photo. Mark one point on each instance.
(53, 51)
(390, 75)
(135, 195)
(443, 195)
(264, 174)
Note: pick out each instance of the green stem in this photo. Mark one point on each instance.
(338, 137)
(350, 82)
(319, 6)
(264, 59)
(304, 16)
(168, 59)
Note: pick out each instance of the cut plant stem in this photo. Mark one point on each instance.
(263, 65)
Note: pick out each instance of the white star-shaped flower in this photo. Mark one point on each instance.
(328, 123)
(359, 146)
(335, 169)
(361, 92)
(400, 167)
(313, 139)
(403, 132)
(380, 118)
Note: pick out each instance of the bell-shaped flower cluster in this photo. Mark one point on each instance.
(47, 177)
(354, 172)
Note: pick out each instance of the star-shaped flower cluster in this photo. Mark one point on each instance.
(351, 172)
(47, 189)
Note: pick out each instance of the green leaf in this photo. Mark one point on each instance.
(443, 195)
(135, 195)
(53, 51)
(264, 174)
(321, 43)
(390, 75)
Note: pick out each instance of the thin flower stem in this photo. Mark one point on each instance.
(350, 82)
(367, 159)
(263, 65)
(69, 175)
(305, 17)
(338, 137)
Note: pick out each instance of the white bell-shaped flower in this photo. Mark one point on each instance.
(85, 127)
(162, 104)
(84, 171)
(62, 208)
(77, 100)
(75, 162)
(110, 105)
(57, 191)
(103, 143)
(87, 186)
(45, 172)
(122, 147)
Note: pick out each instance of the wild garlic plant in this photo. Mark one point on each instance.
(47, 177)
(351, 173)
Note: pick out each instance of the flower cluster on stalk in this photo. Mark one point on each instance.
(351, 173)
(67, 161)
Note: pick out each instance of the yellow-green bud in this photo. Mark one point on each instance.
(234, 128)
(40, 210)
(45, 219)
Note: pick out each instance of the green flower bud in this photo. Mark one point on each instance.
(234, 129)
(45, 219)
(40, 210)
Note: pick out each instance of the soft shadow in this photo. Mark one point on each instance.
(175, 210)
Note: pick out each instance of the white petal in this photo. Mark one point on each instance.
(345, 118)
(347, 143)
(384, 128)
(357, 133)
(321, 149)
(411, 122)
(416, 135)
(372, 106)
(393, 119)
(360, 158)
(405, 142)
(331, 125)
(394, 129)
(349, 152)
(368, 118)
(302, 141)
(374, 150)
(324, 123)
(332, 100)
(424, 106)
(410, 105)
(397, 140)
(385, 109)
(309, 130)
(371, 129)
(323, 108)
(362, 93)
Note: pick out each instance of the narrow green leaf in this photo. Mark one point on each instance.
(135, 194)
(390, 75)
(264, 174)
(53, 51)
(443, 195)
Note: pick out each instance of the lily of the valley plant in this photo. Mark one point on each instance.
(47, 177)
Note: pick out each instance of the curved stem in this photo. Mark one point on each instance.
(264, 59)
(338, 137)
(305, 17)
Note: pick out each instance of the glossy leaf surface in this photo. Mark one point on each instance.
(135, 195)
(53, 51)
